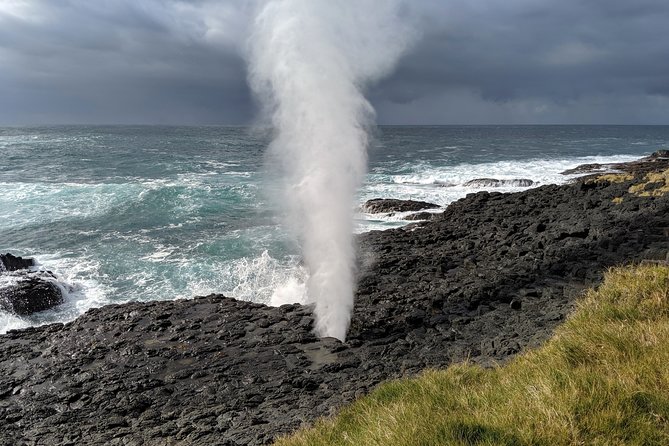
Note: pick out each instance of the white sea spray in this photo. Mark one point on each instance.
(309, 64)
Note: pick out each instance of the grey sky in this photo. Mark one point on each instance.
(477, 61)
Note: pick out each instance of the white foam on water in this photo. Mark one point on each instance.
(30, 203)
(543, 171)
(23, 204)
(221, 164)
(443, 185)
(292, 291)
(26, 203)
(254, 279)
(83, 276)
(10, 321)
(268, 280)
(160, 254)
(78, 282)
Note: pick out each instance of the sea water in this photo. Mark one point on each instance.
(138, 213)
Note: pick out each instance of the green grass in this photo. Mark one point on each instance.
(603, 379)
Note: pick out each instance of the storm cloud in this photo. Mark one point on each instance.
(476, 61)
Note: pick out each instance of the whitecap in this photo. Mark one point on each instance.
(443, 185)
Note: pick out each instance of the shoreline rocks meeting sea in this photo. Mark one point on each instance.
(26, 288)
(490, 276)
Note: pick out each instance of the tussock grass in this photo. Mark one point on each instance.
(603, 379)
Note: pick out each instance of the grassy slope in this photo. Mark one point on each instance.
(603, 379)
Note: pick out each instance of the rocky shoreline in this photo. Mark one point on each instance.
(491, 275)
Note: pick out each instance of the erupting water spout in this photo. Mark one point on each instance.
(309, 62)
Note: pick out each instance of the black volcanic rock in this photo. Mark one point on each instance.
(589, 168)
(30, 294)
(658, 160)
(655, 156)
(493, 182)
(386, 205)
(24, 290)
(9, 262)
(492, 275)
(420, 216)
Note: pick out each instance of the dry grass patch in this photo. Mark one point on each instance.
(613, 178)
(655, 184)
(603, 379)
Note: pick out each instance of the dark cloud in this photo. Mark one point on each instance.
(477, 61)
(122, 61)
(572, 61)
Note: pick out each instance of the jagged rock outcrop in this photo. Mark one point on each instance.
(387, 205)
(9, 262)
(30, 294)
(652, 162)
(23, 290)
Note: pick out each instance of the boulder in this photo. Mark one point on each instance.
(24, 291)
(30, 294)
(386, 205)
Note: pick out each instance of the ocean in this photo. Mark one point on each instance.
(140, 213)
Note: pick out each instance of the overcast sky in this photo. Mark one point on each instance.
(475, 62)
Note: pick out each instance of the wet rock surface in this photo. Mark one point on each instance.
(656, 161)
(9, 262)
(493, 182)
(25, 290)
(421, 216)
(386, 205)
(28, 294)
(492, 275)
